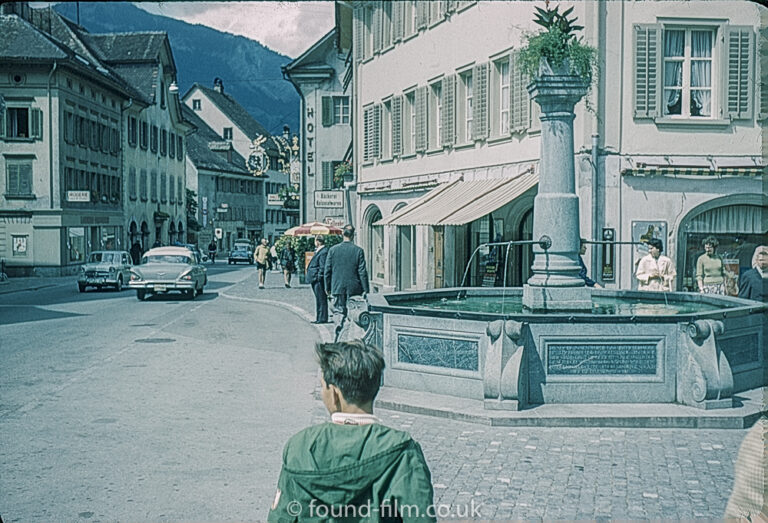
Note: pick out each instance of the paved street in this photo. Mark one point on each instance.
(177, 410)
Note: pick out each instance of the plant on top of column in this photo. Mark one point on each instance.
(557, 51)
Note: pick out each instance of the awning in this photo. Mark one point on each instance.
(461, 202)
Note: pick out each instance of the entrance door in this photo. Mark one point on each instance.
(524, 253)
(438, 242)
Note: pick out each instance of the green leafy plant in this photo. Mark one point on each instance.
(302, 244)
(339, 172)
(558, 45)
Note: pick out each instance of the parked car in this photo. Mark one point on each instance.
(105, 269)
(240, 254)
(166, 269)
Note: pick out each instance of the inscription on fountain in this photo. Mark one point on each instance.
(601, 358)
(437, 352)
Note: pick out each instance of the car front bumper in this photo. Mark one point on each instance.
(96, 280)
(162, 286)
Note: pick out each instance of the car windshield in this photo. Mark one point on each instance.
(166, 258)
(103, 257)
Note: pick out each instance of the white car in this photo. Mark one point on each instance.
(166, 269)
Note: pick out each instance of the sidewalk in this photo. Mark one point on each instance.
(33, 283)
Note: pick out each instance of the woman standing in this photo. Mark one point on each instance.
(288, 262)
(654, 271)
(710, 272)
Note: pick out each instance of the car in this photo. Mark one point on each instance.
(240, 254)
(195, 249)
(105, 269)
(166, 269)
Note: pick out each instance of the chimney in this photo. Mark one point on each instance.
(218, 85)
(287, 133)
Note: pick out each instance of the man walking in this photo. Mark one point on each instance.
(345, 276)
(261, 257)
(315, 275)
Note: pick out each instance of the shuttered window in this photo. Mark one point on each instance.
(358, 29)
(480, 118)
(143, 185)
(647, 76)
(132, 183)
(421, 119)
(397, 125)
(163, 189)
(327, 109)
(740, 49)
(18, 177)
(422, 14)
(327, 180)
(367, 135)
(519, 101)
(376, 132)
(172, 188)
(398, 8)
(448, 112)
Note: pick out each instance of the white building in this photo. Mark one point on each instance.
(447, 140)
(326, 129)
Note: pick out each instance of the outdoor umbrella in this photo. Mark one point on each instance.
(312, 229)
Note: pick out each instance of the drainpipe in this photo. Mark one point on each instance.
(125, 197)
(50, 132)
(595, 205)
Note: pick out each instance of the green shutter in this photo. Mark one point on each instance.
(647, 47)
(366, 134)
(397, 125)
(420, 106)
(448, 113)
(327, 109)
(480, 107)
(327, 175)
(358, 29)
(519, 97)
(740, 49)
(13, 178)
(376, 152)
(36, 117)
(2, 120)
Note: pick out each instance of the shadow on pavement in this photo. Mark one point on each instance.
(29, 313)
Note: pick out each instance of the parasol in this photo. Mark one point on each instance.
(312, 229)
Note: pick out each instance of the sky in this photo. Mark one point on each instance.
(289, 28)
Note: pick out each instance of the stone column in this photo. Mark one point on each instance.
(555, 284)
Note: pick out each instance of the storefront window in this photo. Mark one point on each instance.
(110, 238)
(76, 244)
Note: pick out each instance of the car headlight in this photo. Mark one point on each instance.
(112, 271)
(186, 276)
(135, 276)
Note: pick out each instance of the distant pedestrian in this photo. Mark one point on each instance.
(353, 468)
(710, 271)
(136, 253)
(261, 257)
(345, 276)
(212, 251)
(273, 259)
(287, 262)
(654, 271)
(589, 282)
(316, 278)
(753, 284)
(157, 243)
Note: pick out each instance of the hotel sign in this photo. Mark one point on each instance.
(329, 199)
(78, 196)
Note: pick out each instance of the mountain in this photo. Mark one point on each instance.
(250, 71)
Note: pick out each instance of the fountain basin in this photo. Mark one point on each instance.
(632, 347)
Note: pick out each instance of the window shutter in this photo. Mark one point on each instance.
(450, 6)
(25, 178)
(376, 152)
(13, 178)
(740, 49)
(366, 134)
(378, 14)
(519, 97)
(2, 121)
(37, 123)
(647, 72)
(447, 125)
(397, 21)
(397, 125)
(327, 175)
(422, 15)
(420, 103)
(358, 31)
(480, 115)
(327, 108)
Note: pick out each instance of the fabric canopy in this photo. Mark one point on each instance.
(461, 202)
(312, 229)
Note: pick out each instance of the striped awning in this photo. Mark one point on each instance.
(694, 171)
(461, 202)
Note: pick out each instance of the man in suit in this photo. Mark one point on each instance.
(315, 275)
(753, 284)
(345, 276)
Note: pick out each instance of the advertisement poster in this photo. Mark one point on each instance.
(642, 231)
(731, 267)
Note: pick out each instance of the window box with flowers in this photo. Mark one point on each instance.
(290, 196)
(342, 174)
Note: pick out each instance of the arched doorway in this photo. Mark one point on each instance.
(144, 236)
(133, 234)
(374, 244)
(182, 238)
(171, 233)
(523, 253)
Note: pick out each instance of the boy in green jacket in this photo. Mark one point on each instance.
(353, 468)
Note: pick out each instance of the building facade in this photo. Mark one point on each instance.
(669, 143)
(326, 133)
(268, 155)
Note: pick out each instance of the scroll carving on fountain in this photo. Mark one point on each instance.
(705, 379)
(505, 378)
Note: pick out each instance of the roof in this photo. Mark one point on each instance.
(200, 153)
(128, 47)
(19, 39)
(313, 59)
(237, 114)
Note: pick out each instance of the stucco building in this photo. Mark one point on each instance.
(670, 142)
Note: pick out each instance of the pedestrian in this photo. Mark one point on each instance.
(261, 257)
(589, 282)
(136, 253)
(748, 497)
(352, 468)
(315, 276)
(654, 271)
(157, 243)
(287, 262)
(273, 259)
(710, 271)
(345, 276)
(753, 284)
(212, 250)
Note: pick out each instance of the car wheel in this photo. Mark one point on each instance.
(250, 262)
(81, 286)
(191, 294)
(141, 294)
(119, 284)
(230, 262)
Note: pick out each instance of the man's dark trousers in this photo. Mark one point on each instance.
(321, 302)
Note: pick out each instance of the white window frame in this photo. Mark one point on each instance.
(408, 125)
(340, 110)
(386, 129)
(435, 115)
(464, 113)
(686, 60)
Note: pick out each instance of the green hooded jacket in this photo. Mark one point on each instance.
(335, 472)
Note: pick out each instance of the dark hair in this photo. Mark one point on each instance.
(348, 231)
(354, 367)
(710, 240)
(320, 239)
(655, 242)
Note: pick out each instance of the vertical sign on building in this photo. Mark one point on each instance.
(204, 207)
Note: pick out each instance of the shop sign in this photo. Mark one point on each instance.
(78, 196)
(329, 199)
(335, 221)
(274, 199)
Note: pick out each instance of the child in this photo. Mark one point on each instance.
(352, 468)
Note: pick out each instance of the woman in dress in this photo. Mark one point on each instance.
(288, 262)
(710, 272)
(654, 271)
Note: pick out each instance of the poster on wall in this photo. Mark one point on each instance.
(20, 245)
(642, 231)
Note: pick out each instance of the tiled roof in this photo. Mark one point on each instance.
(142, 77)
(199, 151)
(19, 40)
(239, 116)
(127, 47)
